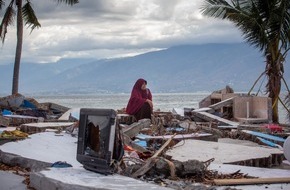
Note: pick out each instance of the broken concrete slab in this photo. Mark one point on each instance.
(210, 117)
(47, 148)
(81, 179)
(286, 148)
(251, 171)
(255, 172)
(55, 108)
(252, 109)
(17, 120)
(16, 160)
(73, 112)
(225, 153)
(133, 129)
(179, 111)
(11, 181)
(32, 128)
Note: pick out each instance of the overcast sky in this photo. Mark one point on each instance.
(114, 28)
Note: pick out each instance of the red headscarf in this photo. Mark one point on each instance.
(138, 97)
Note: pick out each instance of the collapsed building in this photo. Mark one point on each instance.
(185, 145)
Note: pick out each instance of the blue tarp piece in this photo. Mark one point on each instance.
(142, 136)
(61, 164)
(269, 143)
(6, 112)
(265, 136)
(141, 143)
(27, 104)
(175, 129)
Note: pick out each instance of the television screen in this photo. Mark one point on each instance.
(96, 139)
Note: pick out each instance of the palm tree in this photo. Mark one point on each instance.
(264, 24)
(23, 13)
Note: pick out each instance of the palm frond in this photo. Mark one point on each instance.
(69, 2)
(29, 16)
(215, 8)
(6, 21)
(244, 14)
(261, 21)
(284, 13)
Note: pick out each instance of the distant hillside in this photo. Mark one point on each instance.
(186, 68)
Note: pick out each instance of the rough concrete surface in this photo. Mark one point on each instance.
(221, 152)
(10, 181)
(43, 149)
(81, 179)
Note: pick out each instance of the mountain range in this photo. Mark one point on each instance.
(185, 68)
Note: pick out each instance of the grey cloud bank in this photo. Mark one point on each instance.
(114, 28)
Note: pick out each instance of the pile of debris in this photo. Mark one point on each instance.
(173, 149)
(222, 115)
(149, 156)
(22, 113)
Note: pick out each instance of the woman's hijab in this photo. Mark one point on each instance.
(138, 97)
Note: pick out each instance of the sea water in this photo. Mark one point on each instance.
(161, 101)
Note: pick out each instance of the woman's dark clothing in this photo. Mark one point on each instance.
(144, 112)
(137, 104)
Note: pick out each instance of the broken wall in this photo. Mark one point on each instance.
(252, 109)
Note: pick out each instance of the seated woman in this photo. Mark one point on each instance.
(140, 103)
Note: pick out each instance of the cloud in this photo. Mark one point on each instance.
(112, 28)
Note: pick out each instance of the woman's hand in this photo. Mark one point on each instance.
(150, 103)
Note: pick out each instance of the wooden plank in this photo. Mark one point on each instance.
(179, 136)
(221, 104)
(205, 109)
(210, 117)
(151, 161)
(251, 181)
(227, 127)
(160, 150)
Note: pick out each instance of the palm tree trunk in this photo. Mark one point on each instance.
(274, 70)
(18, 48)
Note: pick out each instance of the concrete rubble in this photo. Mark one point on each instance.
(229, 141)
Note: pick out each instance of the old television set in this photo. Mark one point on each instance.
(96, 139)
